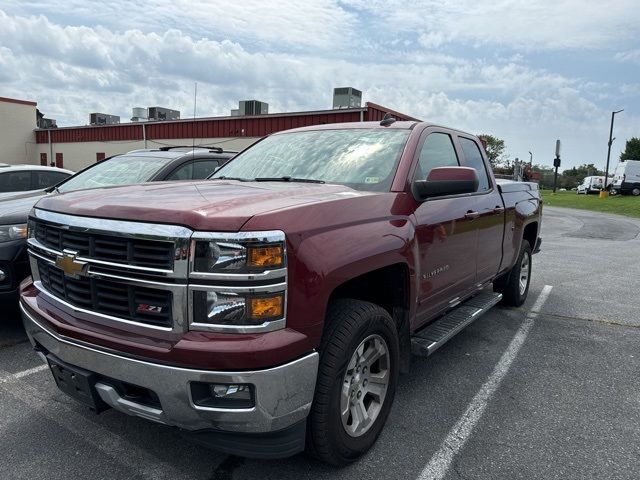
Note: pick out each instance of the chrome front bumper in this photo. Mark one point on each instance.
(283, 394)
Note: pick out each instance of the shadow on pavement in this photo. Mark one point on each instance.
(11, 330)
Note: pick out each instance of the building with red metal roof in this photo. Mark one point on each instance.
(77, 147)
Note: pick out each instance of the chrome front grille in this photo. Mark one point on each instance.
(129, 302)
(108, 248)
(130, 272)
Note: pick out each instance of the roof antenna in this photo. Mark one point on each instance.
(387, 120)
(195, 99)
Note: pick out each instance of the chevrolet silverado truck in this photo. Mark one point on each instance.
(270, 309)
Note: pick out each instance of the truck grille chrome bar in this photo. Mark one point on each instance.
(132, 251)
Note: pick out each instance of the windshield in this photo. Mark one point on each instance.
(364, 159)
(121, 170)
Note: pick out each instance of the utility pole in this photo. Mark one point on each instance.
(611, 139)
(556, 164)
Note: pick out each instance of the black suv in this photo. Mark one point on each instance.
(138, 166)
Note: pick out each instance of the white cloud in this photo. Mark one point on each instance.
(526, 24)
(632, 56)
(285, 23)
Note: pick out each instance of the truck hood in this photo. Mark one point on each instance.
(220, 205)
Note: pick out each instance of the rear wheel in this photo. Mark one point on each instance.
(635, 191)
(357, 379)
(514, 285)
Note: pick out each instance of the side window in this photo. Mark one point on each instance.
(473, 159)
(204, 168)
(185, 172)
(437, 151)
(47, 179)
(15, 181)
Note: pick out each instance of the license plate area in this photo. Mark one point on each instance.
(78, 383)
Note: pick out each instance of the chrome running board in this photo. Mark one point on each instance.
(436, 334)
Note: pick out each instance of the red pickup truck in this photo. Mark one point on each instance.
(271, 308)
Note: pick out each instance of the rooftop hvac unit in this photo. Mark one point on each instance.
(48, 123)
(160, 113)
(103, 119)
(139, 114)
(346, 97)
(235, 112)
(253, 107)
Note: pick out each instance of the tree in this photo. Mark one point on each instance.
(632, 150)
(494, 147)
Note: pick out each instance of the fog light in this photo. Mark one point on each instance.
(220, 395)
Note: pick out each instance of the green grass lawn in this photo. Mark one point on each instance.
(622, 205)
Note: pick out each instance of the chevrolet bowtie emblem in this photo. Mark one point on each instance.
(70, 266)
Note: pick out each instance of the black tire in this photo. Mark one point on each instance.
(635, 191)
(509, 284)
(349, 323)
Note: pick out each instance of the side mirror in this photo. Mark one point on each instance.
(446, 181)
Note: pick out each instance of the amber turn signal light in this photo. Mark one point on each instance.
(272, 256)
(266, 307)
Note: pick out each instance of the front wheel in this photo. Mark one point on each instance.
(357, 377)
(514, 285)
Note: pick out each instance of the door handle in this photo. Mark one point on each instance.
(498, 210)
(472, 215)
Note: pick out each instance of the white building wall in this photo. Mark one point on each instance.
(17, 138)
(78, 155)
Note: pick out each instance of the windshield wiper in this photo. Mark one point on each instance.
(287, 179)
(231, 178)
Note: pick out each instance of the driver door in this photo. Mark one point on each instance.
(446, 235)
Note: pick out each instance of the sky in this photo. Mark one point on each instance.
(529, 72)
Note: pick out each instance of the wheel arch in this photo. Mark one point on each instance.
(390, 288)
(530, 233)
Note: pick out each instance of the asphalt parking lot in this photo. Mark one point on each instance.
(547, 394)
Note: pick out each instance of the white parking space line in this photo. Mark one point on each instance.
(12, 376)
(441, 461)
(30, 371)
(39, 400)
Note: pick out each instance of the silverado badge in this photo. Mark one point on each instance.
(70, 266)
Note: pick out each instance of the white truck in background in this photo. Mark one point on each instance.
(591, 185)
(626, 178)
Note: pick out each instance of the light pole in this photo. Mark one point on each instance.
(606, 170)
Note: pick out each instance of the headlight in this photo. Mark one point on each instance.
(238, 281)
(256, 251)
(13, 232)
(212, 308)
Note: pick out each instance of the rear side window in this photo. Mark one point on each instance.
(15, 181)
(47, 179)
(204, 168)
(437, 151)
(473, 159)
(185, 172)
